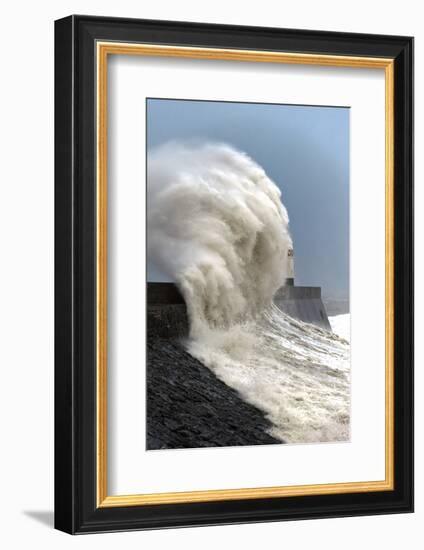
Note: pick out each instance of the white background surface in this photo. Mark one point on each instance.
(131, 468)
(26, 275)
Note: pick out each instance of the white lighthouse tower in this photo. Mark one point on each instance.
(290, 267)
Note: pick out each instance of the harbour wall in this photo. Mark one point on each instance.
(303, 303)
(167, 312)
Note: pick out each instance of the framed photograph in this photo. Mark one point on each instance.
(234, 274)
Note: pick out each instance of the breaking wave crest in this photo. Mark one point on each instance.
(218, 228)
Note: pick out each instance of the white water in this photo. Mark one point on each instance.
(217, 226)
(340, 325)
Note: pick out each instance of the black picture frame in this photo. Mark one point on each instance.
(76, 509)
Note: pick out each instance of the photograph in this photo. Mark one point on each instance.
(233, 273)
(248, 317)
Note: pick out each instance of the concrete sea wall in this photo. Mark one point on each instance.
(303, 303)
(167, 312)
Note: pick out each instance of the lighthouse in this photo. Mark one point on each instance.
(301, 302)
(290, 267)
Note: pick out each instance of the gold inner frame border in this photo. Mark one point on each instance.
(103, 50)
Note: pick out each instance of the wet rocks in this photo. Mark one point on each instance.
(188, 406)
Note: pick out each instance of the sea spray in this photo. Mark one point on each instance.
(218, 228)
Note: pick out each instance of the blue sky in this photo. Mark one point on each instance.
(303, 149)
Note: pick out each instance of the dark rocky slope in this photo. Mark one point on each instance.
(187, 405)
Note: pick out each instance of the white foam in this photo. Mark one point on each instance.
(340, 324)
